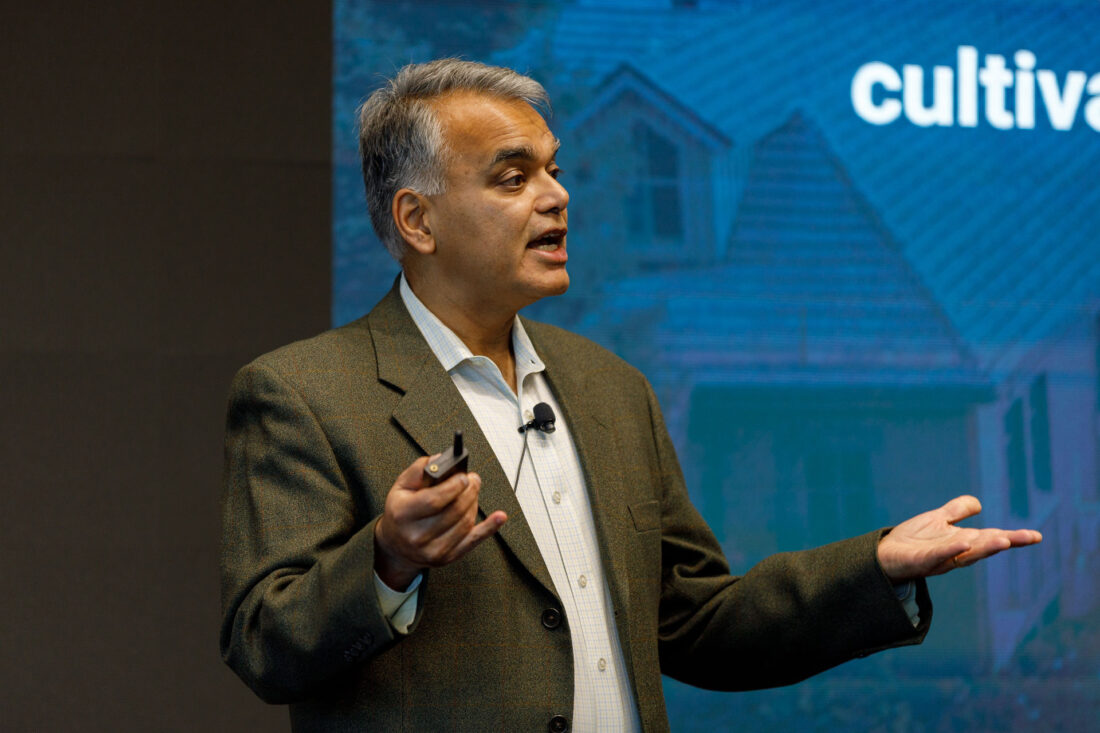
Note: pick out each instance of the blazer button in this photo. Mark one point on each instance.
(551, 619)
(559, 724)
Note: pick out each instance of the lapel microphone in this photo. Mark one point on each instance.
(543, 422)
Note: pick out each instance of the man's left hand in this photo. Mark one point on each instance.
(931, 544)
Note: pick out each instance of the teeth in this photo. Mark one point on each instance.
(550, 237)
(547, 242)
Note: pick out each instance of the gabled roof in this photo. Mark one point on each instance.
(815, 292)
(626, 79)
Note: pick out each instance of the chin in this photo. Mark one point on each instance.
(560, 285)
(547, 289)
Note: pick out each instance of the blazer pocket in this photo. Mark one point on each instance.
(646, 515)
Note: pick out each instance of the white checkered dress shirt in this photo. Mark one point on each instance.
(551, 491)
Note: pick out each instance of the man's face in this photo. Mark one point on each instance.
(499, 228)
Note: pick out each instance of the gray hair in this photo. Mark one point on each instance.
(401, 141)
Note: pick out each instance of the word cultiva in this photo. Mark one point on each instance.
(956, 92)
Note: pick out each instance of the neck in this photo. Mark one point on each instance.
(485, 328)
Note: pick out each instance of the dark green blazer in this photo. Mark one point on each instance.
(317, 433)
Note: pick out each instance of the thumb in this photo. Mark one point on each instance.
(960, 508)
(412, 478)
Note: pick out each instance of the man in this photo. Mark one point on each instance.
(550, 586)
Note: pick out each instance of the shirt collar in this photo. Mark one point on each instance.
(448, 347)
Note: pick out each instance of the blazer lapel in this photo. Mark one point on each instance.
(599, 452)
(432, 408)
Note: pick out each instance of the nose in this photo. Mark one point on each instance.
(555, 198)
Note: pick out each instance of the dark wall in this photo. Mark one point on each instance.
(164, 185)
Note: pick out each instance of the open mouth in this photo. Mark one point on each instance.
(549, 241)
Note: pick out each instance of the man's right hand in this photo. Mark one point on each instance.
(428, 526)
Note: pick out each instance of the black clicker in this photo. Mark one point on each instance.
(451, 461)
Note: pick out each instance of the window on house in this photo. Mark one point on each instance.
(1040, 434)
(654, 202)
(1016, 461)
(838, 495)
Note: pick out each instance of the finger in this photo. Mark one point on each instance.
(450, 532)
(479, 534)
(953, 550)
(447, 531)
(960, 555)
(992, 541)
(955, 563)
(1016, 537)
(435, 500)
(466, 501)
(441, 535)
(412, 478)
(960, 508)
(465, 496)
(1024, 537)
(461, 505)
(939, 560)
(434, 511)
(986, 544)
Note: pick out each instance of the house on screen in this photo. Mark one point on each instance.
(922, 343)
(818, 388)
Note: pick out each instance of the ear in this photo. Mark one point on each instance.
(410, 214)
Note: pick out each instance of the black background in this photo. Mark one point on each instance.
(165, 194)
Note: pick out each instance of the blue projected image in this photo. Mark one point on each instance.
(855, 246)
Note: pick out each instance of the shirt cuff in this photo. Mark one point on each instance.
(905, 593)
(399, 607)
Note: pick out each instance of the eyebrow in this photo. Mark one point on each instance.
(523, 152)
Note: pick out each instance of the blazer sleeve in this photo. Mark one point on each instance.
(298, 599)
(791, 616)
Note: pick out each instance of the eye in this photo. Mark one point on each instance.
(555, 172)
(514, 181)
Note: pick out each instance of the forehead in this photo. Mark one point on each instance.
(477, 126)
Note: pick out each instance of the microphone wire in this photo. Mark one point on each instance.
(522, 453)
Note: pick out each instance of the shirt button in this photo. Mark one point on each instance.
(602, 664)
(582, 581)
(528, 415)
(556, 496)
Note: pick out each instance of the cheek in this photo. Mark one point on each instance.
(487, 234)
(499, 227)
